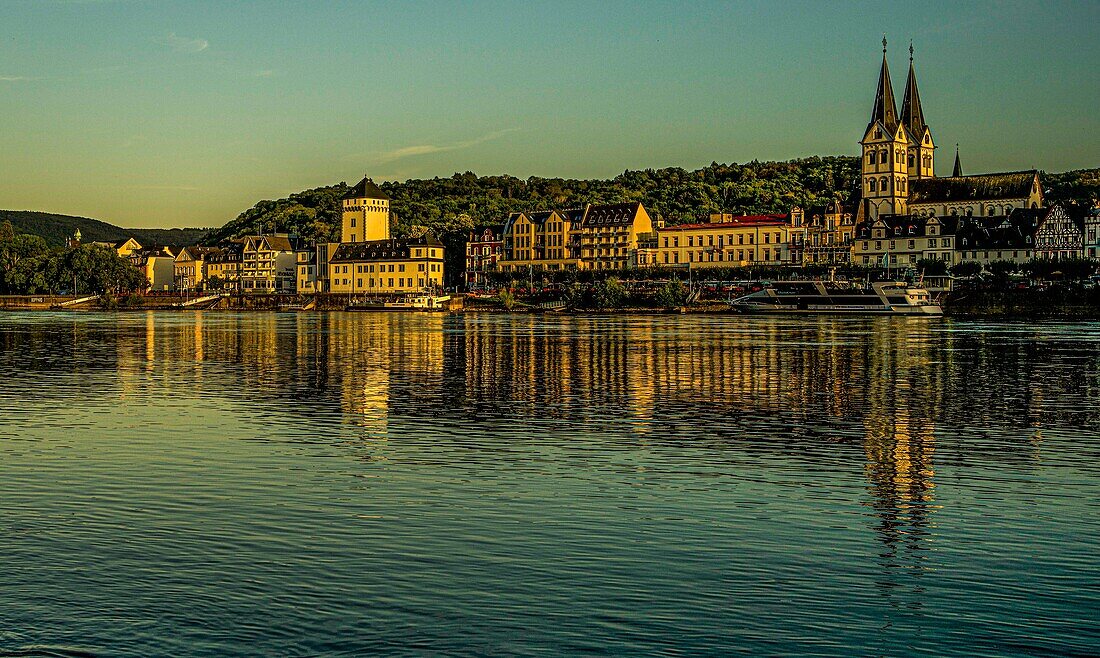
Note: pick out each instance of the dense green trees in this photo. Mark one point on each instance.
(29, 266)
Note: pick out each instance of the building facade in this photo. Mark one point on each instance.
(268, 264)
(597, 236)
(483, 251)
(724, 241)
(387, 266)
(190, 267)
(157, 265)
(223, 266)
(821, 236)
(1092, 233)
(1060, 236)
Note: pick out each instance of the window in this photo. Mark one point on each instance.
(910, 163)
(870, 157)
(871, 184)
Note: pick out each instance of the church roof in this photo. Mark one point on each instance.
(885, 110)
(366, 189)
(957, 172)
(911, 113)
(984, 187)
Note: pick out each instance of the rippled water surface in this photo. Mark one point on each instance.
(220, 484)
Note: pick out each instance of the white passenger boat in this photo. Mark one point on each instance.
(880, 298)
(412, 302)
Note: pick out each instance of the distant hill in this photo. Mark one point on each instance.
(56, 228)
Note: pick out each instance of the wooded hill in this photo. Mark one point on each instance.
(55, 229)
(451, 207)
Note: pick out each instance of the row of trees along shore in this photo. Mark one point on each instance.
(29, 266)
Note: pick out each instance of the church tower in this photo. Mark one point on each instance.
(919, 159)
(885, 150)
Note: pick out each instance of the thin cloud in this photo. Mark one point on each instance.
(266, 73)
(14, 78)
(184, 44)
(426, 149)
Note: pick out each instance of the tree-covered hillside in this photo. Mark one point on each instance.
(56, 228)
(454, 205)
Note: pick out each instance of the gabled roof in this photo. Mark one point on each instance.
(999, 232)
(744, 221)
(365, 189)
(984, 187)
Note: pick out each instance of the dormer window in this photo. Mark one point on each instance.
(897, 230)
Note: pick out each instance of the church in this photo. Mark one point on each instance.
(899, 173)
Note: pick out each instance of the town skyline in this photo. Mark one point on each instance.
(186, 118)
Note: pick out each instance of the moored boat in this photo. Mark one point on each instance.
(879, 298)
(411, 302)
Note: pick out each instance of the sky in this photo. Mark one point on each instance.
(161, 113)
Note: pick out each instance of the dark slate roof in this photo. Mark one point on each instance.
(999, 232)
(984, 187)
(911, 114)
(366, 189)
(911, 226)
(611, 214)
(381, 249)
(228, 252)
(885, 110)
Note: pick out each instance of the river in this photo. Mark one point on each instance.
(333, 484)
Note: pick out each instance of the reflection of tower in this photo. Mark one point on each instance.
(903, 399)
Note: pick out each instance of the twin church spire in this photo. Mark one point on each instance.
(897, 148)
(885, 109)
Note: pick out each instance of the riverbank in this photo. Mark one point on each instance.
(1053, 303)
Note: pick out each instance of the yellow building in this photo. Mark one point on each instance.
(387, 266)
(541, 239)
(366, 213)
(724, 241)
(157, 265)
(223, 264)
(268, 263)
(821, 235)
(190, 267)
(123, 247)
(603, 236)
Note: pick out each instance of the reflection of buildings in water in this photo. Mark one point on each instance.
(905, 389)
(646, 366)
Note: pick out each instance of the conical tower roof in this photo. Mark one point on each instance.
(885, 110)
(912, 117)
(958, 170)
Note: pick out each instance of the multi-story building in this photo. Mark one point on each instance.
(307, 271)
(223, 266)
(987, 240)
(483, 250)
(603, 236)
(268, 263)
(157, 264)
(608, 235)
(822, 235)
(724, 241)
(369, 260)
(903, 240)
(387, 266)
(1092, 233)
(1061, 234)
(190, 267)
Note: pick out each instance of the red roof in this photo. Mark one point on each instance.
(738, 222)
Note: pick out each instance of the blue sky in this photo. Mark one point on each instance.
(186, 113)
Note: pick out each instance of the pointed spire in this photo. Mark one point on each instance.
(911, 114)
(885, 109)
(958, 171)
